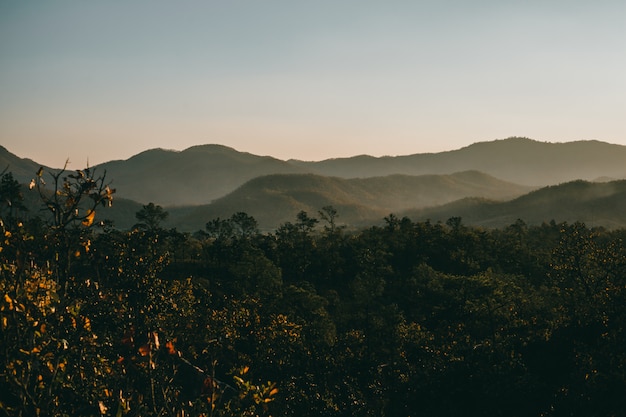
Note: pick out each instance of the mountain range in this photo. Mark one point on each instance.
(519, 160)
(487, 183)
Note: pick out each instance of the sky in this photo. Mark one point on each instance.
(94, 81)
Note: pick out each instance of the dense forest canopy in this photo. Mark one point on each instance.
(404, 319)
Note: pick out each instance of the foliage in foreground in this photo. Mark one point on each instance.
(400, 320)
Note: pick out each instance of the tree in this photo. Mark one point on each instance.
(244, 225)
(74, 197)
(11, 198)
(329, 214)
(295, 246)
(151, 217)
(219, 229)
(109, 333)
(47, 336)
(305, 223)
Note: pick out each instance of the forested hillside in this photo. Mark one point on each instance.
(275, 199)
(407, 318)
(597, 204)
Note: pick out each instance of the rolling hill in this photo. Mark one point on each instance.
(275, 199)
(595, 204)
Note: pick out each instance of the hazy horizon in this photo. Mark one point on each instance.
(95, 82)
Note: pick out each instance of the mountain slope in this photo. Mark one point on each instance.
(596, 204)
(196, 175)
(275, 199)
(22, 169)
(519, 160)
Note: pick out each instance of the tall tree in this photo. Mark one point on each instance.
(151, 217)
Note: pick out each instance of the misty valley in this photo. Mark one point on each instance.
(486, 281)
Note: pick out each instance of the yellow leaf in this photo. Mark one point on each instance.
(88, 220)
(103, 408)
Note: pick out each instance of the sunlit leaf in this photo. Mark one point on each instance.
(88, 220)
(170, 347)
(103, 408)
(144, 350)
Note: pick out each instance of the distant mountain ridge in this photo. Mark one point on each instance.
(204, 173)
(520, 160)
(201, 174)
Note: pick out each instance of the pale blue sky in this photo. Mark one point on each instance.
(101, 80)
